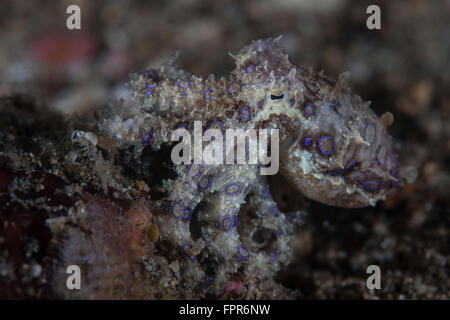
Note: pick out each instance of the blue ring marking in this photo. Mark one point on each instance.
(148, 136)
(331, 142)
(173, 207)
(245, 155)
(277, 59)
(200, 183)
(188, 216)
(190, 167)
(383, 163)
(307, 141)
(223, 224)
(207, 282)
(251, 70)
(215, 122)
(368, 188)
(179, 84)
(149, 90)
(275, 211)
(248, 111)
(292, 101)
(184, 246)
(260, 104)
(234, 220)
(205, 92)
(233, 83)
(346, 108)
(229, 186)
(350, 164)
(312, 109)
(365, 132)
(239, 251)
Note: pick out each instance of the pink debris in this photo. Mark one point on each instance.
(234, 287)
(62, 48)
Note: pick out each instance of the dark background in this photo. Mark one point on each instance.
(402, 68)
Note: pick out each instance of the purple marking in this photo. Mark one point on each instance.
(212, 123)
(365, 132)
(311, 107)
(242, 257)
(349, 165)
(149, 90)
(248, 113)
(307, 141)
(205, 92)
(320, 145)
(266, 193)
(148, 137)
(233, 83)
(278, 233)
(245, 155)
(229, 186)
(207, 282)
(153, 74)
(274, 256)
(223, 224)
(275, 210)
(200, 183)
(251, 68)
(185, 218)
(166, 209)
(367, 186)
(234, 220)
(187, 86)
(184, 250)
(190, 167)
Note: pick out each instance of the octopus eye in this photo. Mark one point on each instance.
(274, 97)
(326, 145)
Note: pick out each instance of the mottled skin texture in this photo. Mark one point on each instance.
(333, 148)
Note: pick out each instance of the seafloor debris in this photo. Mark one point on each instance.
(141, 227)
